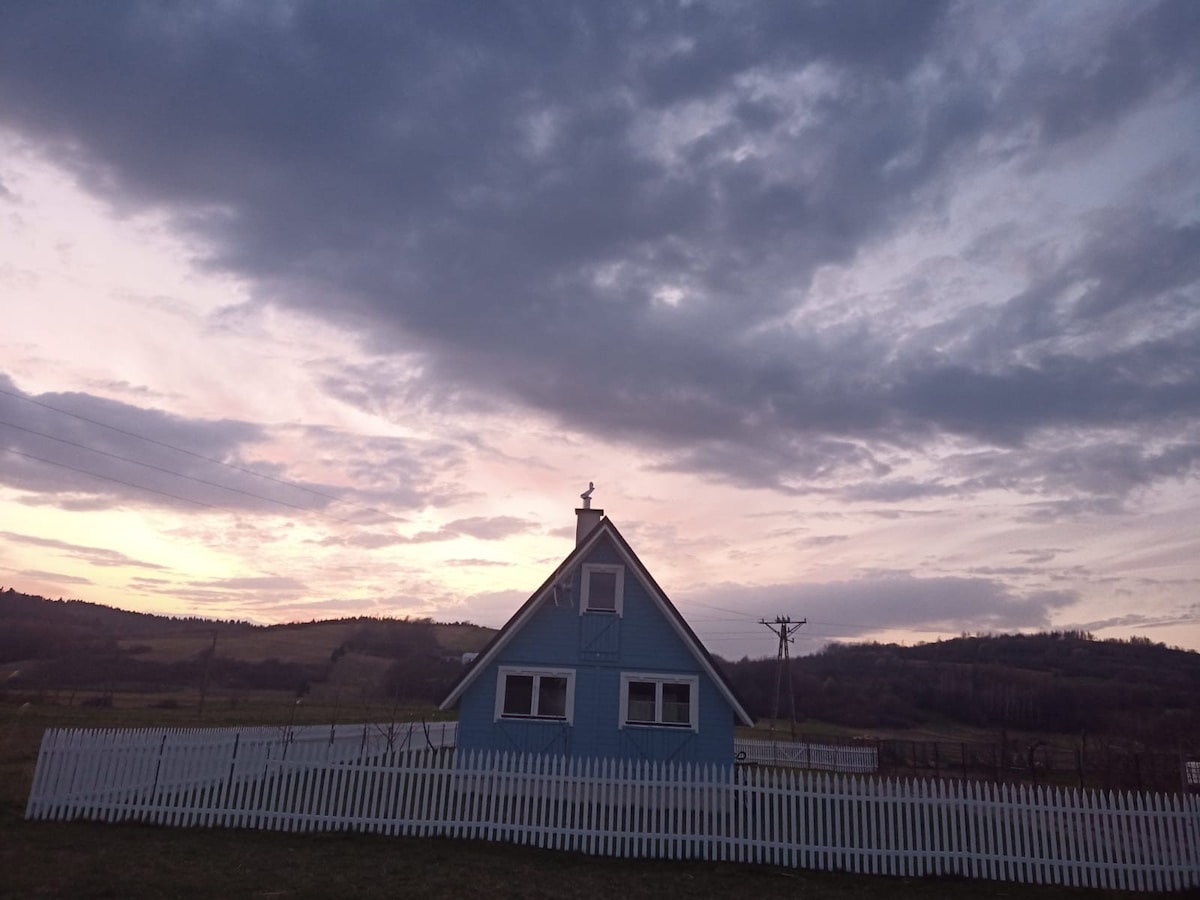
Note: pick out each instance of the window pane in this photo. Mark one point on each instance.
(602, 591)
(677, 704)
(641, 701)
(518, 695)
(552, 697)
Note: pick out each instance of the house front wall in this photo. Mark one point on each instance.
(598, 648)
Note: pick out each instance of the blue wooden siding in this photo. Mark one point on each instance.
(599, 647)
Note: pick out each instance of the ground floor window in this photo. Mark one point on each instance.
(665, 700)
(534, 693)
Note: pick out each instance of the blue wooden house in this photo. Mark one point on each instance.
(598, 662)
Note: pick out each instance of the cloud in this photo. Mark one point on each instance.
(890, 601)
(1142, 49)
(824, 540)
(300, 610)
(81, 452)
(52, 577)
(1140, 620)
(484, 528)
(96, 556)
(490, 608)
(492, 528)
(253, 583)
(621, 217)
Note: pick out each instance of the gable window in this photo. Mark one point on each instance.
(663, 700)
(603, 589)
(535, 693)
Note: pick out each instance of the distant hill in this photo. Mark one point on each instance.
(74, 644)
(1051, 682)
(1059, 682)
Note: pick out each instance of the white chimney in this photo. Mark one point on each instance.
(586, 518)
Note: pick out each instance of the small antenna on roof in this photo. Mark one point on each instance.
(586, 496)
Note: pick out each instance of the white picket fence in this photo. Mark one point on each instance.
(825, 757)
(777, 816)
(81, 772)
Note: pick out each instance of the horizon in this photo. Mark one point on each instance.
(1085, 636)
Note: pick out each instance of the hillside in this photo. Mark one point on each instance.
(77, 645)
(1064, 683)
(1051, 682)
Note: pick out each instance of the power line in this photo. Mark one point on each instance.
(139, 487)
(166, 471)
(193, 453)
(739, 613)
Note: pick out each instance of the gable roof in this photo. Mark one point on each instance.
(605, 528)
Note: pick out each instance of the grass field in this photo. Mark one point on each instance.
(294, 643)
(86, 860)
(91, 860)
(298, 642)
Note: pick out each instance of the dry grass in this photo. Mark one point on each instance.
(298, 643)
(293, 643)
(92, 860)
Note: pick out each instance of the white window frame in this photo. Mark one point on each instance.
(586, 583)
(659, 679)
(536, 672)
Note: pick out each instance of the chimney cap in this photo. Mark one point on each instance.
(586, 496)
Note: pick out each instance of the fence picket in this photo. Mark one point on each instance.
(358, 778)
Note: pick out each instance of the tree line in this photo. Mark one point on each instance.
(1064, 682)
(1061, 682)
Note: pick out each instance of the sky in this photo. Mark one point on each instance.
(884, 315)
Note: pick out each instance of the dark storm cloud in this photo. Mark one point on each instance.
(1149, 46)
(76, 448)
(1102, 469)
(78, 451)
(607, 211)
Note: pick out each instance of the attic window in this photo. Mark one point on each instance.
(529, 693)
(662, 700)
(603, 589)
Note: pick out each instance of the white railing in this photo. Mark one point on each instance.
(780, 816)
(825, 757)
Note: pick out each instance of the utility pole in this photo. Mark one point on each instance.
(783, 627)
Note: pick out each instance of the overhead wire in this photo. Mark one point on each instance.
(220, 462)
(737, 614)
(118, 456)
(856, 630)
(142, 437)
(139, 487)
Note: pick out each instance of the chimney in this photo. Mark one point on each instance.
(586, 518)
